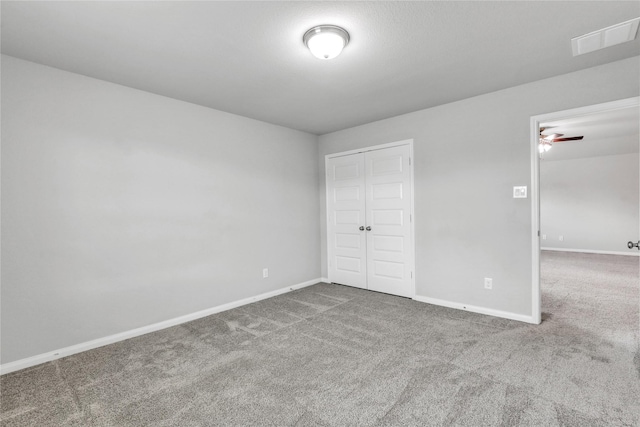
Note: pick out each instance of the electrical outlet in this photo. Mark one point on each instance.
(561, 238)
(488, 283)
(544, 237)
(265, 273)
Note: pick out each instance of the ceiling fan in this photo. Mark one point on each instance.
(546, 141)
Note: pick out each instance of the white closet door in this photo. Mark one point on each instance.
(346, 243)
(388, 210)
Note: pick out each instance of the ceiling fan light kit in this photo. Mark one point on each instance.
(326, 41)
(544, 146)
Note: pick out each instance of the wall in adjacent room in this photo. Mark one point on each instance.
(121, 208)
(591, 202)
(468, 157)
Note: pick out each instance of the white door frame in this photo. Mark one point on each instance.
(535, 184)
(412, 245)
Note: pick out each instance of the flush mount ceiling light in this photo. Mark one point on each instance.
(326, 41)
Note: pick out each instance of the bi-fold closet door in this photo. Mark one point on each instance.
(369, 233)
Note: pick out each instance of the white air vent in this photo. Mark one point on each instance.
(606, 37)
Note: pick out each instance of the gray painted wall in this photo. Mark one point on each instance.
(592, 202)
(121, 208)
(468, 156)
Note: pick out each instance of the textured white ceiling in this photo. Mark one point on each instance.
(605, 134)
(248, 57)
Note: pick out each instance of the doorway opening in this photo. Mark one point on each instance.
(585, 210)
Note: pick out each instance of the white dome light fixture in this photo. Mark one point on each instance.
(326, 41)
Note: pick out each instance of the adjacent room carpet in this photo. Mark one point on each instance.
(331, 355)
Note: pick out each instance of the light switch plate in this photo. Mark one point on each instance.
(520, 192)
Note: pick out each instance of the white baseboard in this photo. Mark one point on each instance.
(476, 309)
(88, 345)
(590, 251)
(324, 280)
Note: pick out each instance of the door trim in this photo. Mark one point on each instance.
(536, 295)
(412, 245)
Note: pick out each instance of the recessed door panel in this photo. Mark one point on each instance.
(349, 264)
(388, 243)
(388, 164)
(387, 217)
(347, 217)
(348, 241)
(343, 172)
(345, 194)
(386, 269)
(387, 191)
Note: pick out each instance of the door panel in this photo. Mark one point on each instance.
(346, 213)
(388, 209)
(387, 191)
(388, 243)
(371, 190)
(389, 217)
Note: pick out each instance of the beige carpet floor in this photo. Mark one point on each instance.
(330, 355)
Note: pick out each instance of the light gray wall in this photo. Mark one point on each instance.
(592, 202)
(122, 208)
(468, 156)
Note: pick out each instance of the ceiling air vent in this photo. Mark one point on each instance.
(606, 37)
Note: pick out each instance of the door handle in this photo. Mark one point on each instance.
(631, 245)
(368, 228)
(361, 228)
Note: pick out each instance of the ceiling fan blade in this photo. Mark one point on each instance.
(573, 138)
(552, 136)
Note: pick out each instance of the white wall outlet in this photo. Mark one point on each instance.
(488, 283)
(561, 238)
(544, 237)
(265, 273)
(520, 192)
